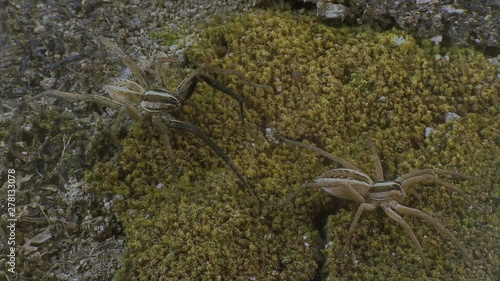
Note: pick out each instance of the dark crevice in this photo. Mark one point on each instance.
(320, 224)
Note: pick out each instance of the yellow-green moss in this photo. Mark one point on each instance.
(167, 37)
(335, 87)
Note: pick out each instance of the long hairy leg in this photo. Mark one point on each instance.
(237, 73)
(180, 125)
(376, 161)
(415, 212)
(165, 139)
(186, 88)
(393, 215)
(434, 179)
(159, 123)
(116, 126)
(136, 71)
(214, 84)
(361, 209)
(100, 100)
(104, 101)
(272, 134)
(443, 172)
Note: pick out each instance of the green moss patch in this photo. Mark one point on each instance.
(336, 88)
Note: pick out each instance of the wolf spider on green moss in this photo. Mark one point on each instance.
(350, 183)
(142, 101)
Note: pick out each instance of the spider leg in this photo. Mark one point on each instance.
(116, 126)
(196, 107)
(273, 134)
(393, 215)
(350, 174)
(409, 181)
(422, 172)
(176, 124)
(136, 70)
(237, 73)
(121, 108)
(159, 70)
(214, 84)
(414, 193)
(376, 160)
(104, 101)
(415, 212)
(186, 88)
(361, 209)
(160, 124)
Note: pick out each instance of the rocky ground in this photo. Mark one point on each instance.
(65, 232)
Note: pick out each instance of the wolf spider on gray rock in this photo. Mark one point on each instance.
(143, 101)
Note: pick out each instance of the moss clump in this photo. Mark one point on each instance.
(167, 37)
(213, 221)
(335, 88)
